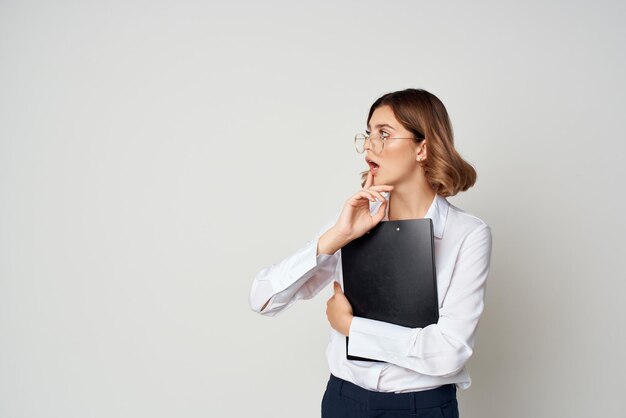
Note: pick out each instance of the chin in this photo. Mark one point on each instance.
(380, 180)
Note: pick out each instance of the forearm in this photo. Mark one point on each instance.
(435, 350)
(331, 241)
(299, 276)
(277, 286)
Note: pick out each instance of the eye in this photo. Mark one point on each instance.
(384, 134)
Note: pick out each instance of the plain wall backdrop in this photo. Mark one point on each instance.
(155, 156)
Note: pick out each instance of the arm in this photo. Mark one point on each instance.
(301, 275)
(439, 349)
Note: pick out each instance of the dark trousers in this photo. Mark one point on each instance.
(344, 399)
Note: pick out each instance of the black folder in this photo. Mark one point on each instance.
(389, 275)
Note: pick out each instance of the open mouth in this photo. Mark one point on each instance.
(373, 166)
(371, 163)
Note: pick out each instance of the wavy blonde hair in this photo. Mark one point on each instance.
(423, 114)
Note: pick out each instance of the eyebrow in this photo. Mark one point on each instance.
(381, 125)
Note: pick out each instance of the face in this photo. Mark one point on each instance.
(397, 163)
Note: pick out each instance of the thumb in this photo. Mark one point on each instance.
(381, 212)
(337, 287)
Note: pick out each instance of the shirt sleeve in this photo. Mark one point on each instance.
(440, 349)
(301, 275)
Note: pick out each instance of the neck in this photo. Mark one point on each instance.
(409, 201)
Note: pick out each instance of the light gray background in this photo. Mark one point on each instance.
(154, 156)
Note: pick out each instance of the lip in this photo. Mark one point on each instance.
(373, 168)
(369, 160)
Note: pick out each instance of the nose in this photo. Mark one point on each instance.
(368, 143)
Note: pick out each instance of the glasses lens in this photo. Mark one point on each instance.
(375, 141)
(359, 142)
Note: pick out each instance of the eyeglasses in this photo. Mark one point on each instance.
(377, 141)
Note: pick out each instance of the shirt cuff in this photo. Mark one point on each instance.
(379, 340)
(304, 264)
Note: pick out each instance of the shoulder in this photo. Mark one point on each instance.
(465, 218)
(462, 224)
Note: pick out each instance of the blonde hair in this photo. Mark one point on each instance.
(423, 114)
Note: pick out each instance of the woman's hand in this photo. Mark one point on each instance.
(355, 218)
(339, 311)
(354, 221)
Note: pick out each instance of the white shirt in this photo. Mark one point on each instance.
(415, 358)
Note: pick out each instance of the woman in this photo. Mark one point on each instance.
(413, 168)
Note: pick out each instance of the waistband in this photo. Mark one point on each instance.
(390, 400)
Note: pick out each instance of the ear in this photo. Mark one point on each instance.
(421, 152)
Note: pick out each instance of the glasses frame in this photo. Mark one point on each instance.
(365, 137)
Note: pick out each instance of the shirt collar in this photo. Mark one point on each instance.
(438, 212)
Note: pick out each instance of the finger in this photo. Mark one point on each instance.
(337, 287)
(371, 196)
(342, 301)
(363, 194)
(382, 188)
(381, 212)
(377, 194)
(369, 180)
